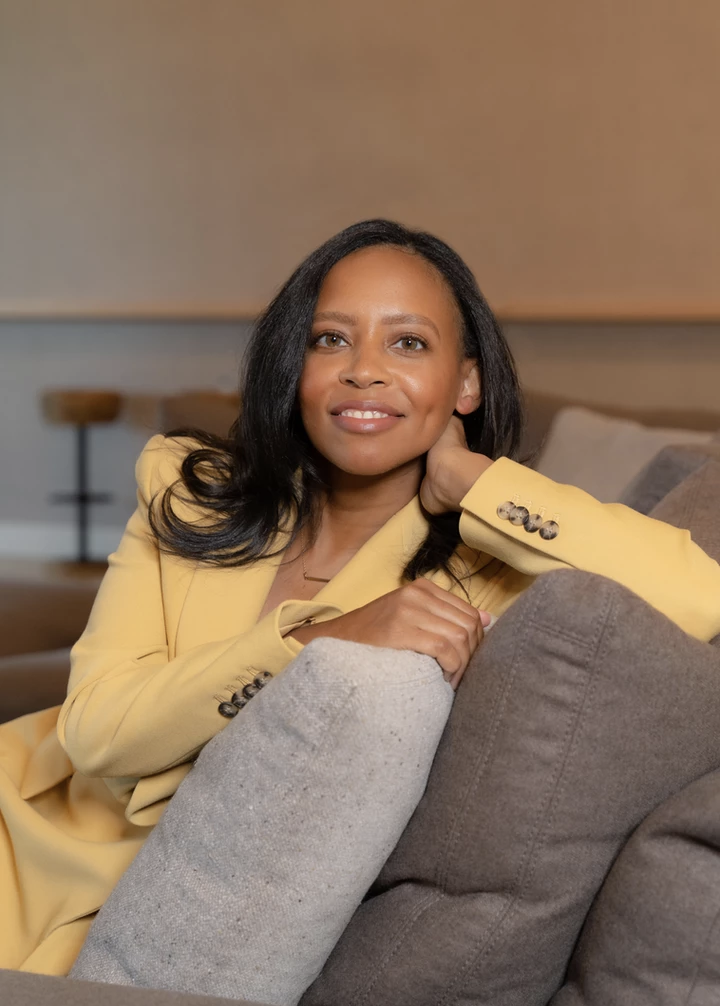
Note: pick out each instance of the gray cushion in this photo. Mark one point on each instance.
(541, 408)
(668, 469)
(582, 710)
(653, 937)
(272, 840)
(694, 505)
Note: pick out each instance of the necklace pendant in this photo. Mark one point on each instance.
(309, 577)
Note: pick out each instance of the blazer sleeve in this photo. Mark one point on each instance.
(658, 562)
(131, 710)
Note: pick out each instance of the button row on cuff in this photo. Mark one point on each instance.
(518, 515)
(229, 708)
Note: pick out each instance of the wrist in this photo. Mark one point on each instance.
(302, 634)
(462, 470)
(309, 631)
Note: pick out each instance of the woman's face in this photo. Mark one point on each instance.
(386, 342)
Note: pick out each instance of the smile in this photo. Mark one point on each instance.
(364, 421)
(363, 414)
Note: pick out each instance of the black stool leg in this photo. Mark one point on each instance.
(81, 496)
(83, 493)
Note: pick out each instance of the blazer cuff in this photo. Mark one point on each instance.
(506, 482)
(291, 615)
(271, 649)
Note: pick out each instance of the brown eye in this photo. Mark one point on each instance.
(329, 339)
(411, 343)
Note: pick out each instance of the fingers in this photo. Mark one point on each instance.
(456, 610)
(449, 627)
(450, 644)
(452, 658)
(455, 680)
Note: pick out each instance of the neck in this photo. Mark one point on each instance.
(357, 506)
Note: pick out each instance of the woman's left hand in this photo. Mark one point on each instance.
(451, 469)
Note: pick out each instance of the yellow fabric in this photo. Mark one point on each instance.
(168, 640)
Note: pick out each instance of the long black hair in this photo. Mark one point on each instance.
(266, 472)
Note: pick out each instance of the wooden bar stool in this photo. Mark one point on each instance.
(81, 409)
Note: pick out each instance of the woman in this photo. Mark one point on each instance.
(367, 494)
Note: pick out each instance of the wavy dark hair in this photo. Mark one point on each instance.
(248, 484)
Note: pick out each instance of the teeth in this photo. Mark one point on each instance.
(363, 414)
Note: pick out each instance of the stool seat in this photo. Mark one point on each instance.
(80, 407)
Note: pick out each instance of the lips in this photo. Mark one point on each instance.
(365, 416)
(361, 406)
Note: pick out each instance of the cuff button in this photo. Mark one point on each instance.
(518, 515)
(533, 522)
(549, 530)
(505, 510)
(228, 710)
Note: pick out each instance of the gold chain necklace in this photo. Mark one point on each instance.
(307, 576)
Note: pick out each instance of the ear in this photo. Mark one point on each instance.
(470, 394)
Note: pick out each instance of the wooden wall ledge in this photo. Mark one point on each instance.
(561, 313)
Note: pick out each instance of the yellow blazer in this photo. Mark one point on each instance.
(169, 640)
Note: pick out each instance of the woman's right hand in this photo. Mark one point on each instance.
(417, 617)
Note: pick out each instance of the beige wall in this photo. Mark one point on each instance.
(181, 156)
(677, 366)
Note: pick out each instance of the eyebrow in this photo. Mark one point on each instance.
(399, 319)
(335, 316)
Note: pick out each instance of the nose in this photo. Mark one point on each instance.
(364, 367)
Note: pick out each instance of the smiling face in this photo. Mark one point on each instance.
(384, 369)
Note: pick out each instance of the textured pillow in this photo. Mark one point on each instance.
(602, 454)
(580, 712)
(271, 841)
(653, 937)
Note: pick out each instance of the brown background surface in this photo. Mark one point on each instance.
(178, 157)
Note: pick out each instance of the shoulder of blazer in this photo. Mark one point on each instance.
(158, 466)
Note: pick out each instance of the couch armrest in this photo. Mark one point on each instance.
(43, 616)
(20, 988)
(33, 682)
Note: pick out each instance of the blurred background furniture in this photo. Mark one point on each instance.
(81, 409)
(204, 409)
(40, 620)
